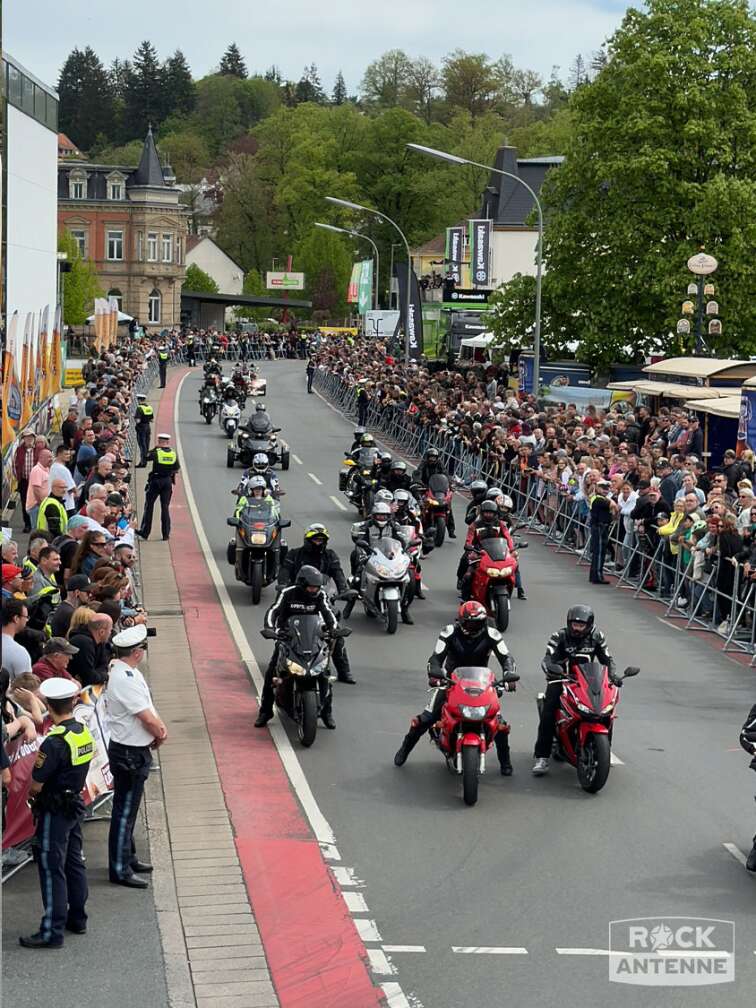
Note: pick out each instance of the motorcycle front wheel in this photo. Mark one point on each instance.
(440, 529)
(470, 764)
(256, 582)
(208, 417)
(307, 728)
(501, 612)
(392, 615)
(593, 763)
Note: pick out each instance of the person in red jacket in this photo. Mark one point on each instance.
(56, 655)
(488, 523)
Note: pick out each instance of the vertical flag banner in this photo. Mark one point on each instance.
(11, 385)
(27, 371)
(56, 358)
(455, 242)
(480, 252)
(43, 356)
(365, 287)
(40, 363)
(114, 329)
(354, 284)
(99, 324)
(414, 325)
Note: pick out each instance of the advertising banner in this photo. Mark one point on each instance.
(746, 437)
(353, 291)
(284, 281)
(413, 327)
(365, 287)
(381, 323)
(455, 253)
(480, 252)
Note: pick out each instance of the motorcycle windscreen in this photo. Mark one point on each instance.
(593, 673)
(475, 675)
(438, 485)
(306, 638)
(259, 425)
(390, 548)
(366, 457)
(496, 547)
(259, 511)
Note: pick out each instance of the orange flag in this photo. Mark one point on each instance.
(27, 371)
(11, 390)
(43, 357)
(56, 356)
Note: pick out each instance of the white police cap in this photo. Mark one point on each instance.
(164, 437)
(58, 688)
(131, 637)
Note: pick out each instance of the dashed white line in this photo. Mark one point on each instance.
(346, 877)
(736, 852)
(584, 952)
(379, 962)
(615, 760)
(404, 948)
(338, 503)
(315, 479)
(367, 929)
(297, 459)
(394, 996)
(355, 902)
(330, 852)
(488, 950)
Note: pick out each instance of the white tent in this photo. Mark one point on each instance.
(479, 342)
(122, 317)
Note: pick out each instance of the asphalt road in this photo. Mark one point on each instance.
(537, 864)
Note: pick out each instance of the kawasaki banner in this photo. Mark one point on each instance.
(413, 327)
(365, 287)
(455, 252)
(480, 252)
(353, 290)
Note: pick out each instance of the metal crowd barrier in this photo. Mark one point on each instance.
(643, 564)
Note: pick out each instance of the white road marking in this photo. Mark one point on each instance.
(345, 877)
(585, 952)
(394, 996)
(404, 948)
(330, 852)
(355, 902)
(315, 479)
(615, 760)
(367, 929)
(297, 459)
(379, 962)
(338, 503)
(736, 852)
(667, 623)
(320, 825)
(488, 950)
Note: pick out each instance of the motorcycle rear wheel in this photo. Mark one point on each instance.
(594, 762)
(230, 459)
(501, 603)
(392, 615)
(307, 728)
(256, 583)
(470, 764)
(440, 530)
(208, 417)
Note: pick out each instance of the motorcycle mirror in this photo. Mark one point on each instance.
(521, 545)
(268, 634)
(234, 522)
(630, 671)
(285, 522)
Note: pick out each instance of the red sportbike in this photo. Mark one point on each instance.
(585, 720)
(469, 722)
(493, 577)
(435, 503)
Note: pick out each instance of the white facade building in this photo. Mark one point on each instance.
(209, 257)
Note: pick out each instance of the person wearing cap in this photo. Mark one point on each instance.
(160, 484)
(163, 356)
(56, 654)
(78, 593)
(12, 580)
(23, 463)
(144, 416)
(602, 509)
(135, 730)
(57, 781)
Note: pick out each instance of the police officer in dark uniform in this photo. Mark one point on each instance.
(160, 484)
(314, 552)
(164, 355)
(191, 352)
(310, 373)
(55, 799)
(145, 414)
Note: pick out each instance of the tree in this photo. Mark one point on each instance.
(512, 317)
(143, 96)
(118, 72)
(80, 285)
(197, 280)
(421, 86)
(327, 265)
(86, 98)
(219, 114)
(188, 154)
(662, 161)
(599, 60)
(232, 64)
(179, 93)
(309, 87)
(123, 154)
(385, 81)
(578, 73)
(339, 95)
(273, 74)
(470, 82)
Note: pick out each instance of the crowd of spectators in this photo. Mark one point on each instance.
(556, 459)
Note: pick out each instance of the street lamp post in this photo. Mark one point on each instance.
(357, 206)
(454, 159)
(376, 257)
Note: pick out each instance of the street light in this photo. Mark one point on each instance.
(455, 159)
(358, 234)
(357, 206)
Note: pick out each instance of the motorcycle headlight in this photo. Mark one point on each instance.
(609, 707)
(205, 400)
(383, 570)
(492, 571)
(504, 571)
(295, 668)
(473, 713)
(581, 707)
(432, 500)
(258, 538)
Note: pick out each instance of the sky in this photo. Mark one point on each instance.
(335, 34)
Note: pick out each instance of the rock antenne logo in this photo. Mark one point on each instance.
(661, 937)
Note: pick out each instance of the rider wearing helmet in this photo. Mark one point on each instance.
(397, 477)
(261, 467)
(488, 524)
(212, 367)
(356, 439)
(304, 597)
(254, 488)
(468, 642)
(315, 552)
(432, 465)
(579, 635)
(478, 489)
(380, 524)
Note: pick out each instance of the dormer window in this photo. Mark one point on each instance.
(77, 184)
(116, 182)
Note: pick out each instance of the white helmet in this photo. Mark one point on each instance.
(385, 496)
(260, 462)
(507, 503)
(381, 513)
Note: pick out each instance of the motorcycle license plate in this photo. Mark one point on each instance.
(258, 538)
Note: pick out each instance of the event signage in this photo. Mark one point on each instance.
(413, 327)
(468, 295)
(353, 291)
(455, 251)
(381, 323)
(284, 281)
(480, 251)
(365, 286)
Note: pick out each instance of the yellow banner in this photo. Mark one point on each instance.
(27, 371)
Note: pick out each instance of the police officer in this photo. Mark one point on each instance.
(160, 484)
(191, 352)
(145, 414)
(55, 799)
(135, 730)
(310, 374)
(164, 355)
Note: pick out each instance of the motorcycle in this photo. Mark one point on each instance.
(208, 404)
(302, 680)
(469, 722)
(357, 481)
(384, 580)
(493, 577)
(229, 417)
(435, 503)
(256, 550)
(414, 545)
(245, 445)
(585, 719)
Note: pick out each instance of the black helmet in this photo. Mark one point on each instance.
(579, 622)
(310, 579)
(387, 462)
(358, 432)
(431, 455)
(260, 407)
(478, 490)
(489, 509)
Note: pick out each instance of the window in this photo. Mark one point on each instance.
(152, 246)
(14, 85)
(77, 184)
(179, 251)
(29, 97)
(115, 293)
(153, 307)
(140, 246)
(115, 190)
(115, 245)
(80, 237)
(167, 248)
(77, 190)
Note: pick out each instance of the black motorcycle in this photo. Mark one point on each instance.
(208, 404)
(302, 681)
(256, 550)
